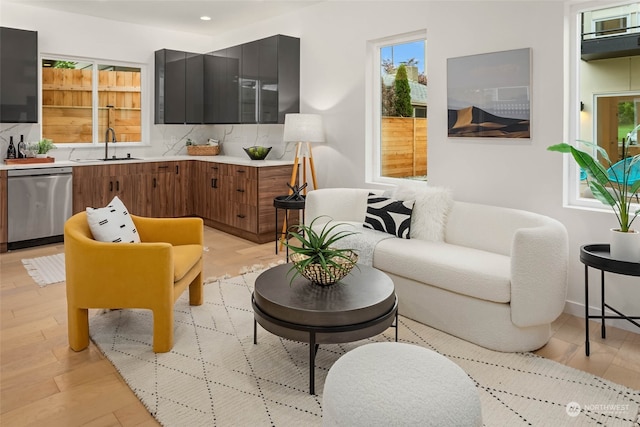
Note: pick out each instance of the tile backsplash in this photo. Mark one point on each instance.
(166, 140)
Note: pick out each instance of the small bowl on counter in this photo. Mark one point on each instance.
(257, 152)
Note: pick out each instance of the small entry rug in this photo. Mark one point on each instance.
(216, 376)
(47, 269)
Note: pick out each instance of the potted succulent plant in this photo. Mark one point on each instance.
(613, 186)
(313, 255)
(44, 146)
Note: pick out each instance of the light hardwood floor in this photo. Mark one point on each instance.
(43, 382)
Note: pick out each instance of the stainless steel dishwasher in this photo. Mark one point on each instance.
(39, 201)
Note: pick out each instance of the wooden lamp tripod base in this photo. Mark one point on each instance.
(308, 156)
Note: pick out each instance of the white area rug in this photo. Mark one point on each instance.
(47, 269)
(216, 376)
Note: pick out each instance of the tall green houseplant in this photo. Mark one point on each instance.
(611, 186)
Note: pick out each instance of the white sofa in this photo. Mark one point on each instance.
(493, 276)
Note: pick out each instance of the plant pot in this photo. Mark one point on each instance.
(625, 246)
(325, 277)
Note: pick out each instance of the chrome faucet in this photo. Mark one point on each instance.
(106, 141)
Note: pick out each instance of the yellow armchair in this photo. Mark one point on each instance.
(149, 275)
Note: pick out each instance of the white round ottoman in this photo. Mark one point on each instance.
(384, 384)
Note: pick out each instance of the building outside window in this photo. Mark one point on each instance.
(606, 87)
(81, 99)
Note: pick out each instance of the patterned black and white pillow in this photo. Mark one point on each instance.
(389, 215)
(112, 223)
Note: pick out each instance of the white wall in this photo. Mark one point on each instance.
(334, 36)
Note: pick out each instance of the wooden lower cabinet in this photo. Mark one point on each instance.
(183, 202)
(96, 186)
(207, 192)
(166, 189)
(156, 189)
(4, 214)
(237, 199)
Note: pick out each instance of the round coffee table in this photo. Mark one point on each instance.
(361, 305)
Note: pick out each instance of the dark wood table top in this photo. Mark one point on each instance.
(363, 295)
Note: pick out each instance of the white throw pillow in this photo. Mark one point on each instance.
(429, 217)
(112, 223)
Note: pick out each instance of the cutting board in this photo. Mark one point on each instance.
(29, 160)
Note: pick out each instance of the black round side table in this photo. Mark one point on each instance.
(598, 256)
(287, 204)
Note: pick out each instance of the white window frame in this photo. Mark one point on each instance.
(373, 106)
(145, 99)
(571, 184)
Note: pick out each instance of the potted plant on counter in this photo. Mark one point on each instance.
(616, 186)
(315, 258)
(43, 147)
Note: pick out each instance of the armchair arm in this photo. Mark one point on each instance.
(539, 268)
(176, 231)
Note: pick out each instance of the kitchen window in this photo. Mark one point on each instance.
(82, 98)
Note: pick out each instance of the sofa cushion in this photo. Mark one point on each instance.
(389, 215)
(112, 223)
(476, 273)
(184, 258)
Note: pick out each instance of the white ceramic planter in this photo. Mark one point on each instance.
(625, 246)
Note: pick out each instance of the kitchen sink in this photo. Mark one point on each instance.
(110, 159)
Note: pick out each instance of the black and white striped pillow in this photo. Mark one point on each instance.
(389, 215)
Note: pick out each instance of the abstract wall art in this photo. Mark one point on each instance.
(489, 95)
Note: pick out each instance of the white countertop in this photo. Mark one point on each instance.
(92, 162)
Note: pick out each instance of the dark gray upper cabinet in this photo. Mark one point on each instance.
(270, 79)
(256, 82)
(18, 76)
(288, 76)
(194, 89)
(221, 90)
(179, 95)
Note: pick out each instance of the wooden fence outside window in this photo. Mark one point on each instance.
(67, 105)
(403, 147)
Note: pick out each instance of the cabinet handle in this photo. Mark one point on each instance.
(215, 168)
(117, 185)
(177, 169)
(239, 190)
(214, 182)
(241, 171)
(163, 167)
(240, 216)
(154, 183)
(110, 186)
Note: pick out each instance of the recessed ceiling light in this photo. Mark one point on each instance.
(205, 18)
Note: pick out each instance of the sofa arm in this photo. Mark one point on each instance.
(539, 268)
(339, 204)
(176, 231)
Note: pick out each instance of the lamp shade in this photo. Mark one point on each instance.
(303, 128)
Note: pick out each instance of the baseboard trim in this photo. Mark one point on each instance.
(577, 309)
